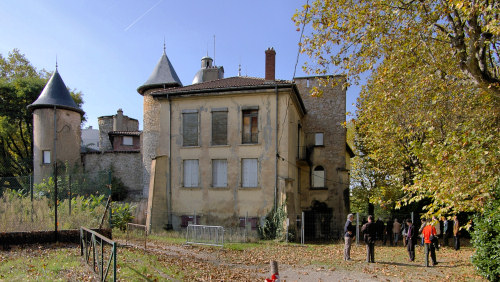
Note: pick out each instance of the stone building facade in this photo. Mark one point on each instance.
(298, 157)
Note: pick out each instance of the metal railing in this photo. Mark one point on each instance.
(92, 248)
(205, 235)
(131, 226)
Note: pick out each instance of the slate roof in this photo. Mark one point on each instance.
(56, 94)
(163, 75)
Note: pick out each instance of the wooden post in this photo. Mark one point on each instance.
(274, 268)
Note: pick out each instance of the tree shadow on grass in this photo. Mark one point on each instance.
(140, 274)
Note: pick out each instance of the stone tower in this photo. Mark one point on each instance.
(56, 129)
(163, 76)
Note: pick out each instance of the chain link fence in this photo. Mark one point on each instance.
(81, 201)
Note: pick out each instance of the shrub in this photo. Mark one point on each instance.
(486, 239)
(121, 214)
(273, 227)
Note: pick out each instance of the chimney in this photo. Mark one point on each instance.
(270, 64)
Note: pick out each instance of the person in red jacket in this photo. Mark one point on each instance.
(428, 232)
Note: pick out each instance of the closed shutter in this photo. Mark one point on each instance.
(219, 173)
(190, 173)
(219, 128)
(249, 172)
(190, 129)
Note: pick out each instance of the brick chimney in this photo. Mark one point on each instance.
(270, 64)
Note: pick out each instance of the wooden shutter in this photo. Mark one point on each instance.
(190, 129)
(249, 172)
(219, 128)
(219, 173)
(191, 173)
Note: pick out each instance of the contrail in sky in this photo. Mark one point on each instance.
(145, 13)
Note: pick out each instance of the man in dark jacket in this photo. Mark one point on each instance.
(370, 234)
(411, 239)
(348, 235)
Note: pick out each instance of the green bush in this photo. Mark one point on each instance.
(273, 227)
(121, 214)
(486, 239)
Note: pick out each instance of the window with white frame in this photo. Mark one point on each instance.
(128, 140)
(190, 128)
(219, 173)
(318, 139)
(46, 157)
(318, 177)
(191, 172)
(249, 175)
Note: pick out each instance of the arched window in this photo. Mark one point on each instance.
(318, 177)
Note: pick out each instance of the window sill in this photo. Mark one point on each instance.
(219, 188)
(249, 188)
(249, 144)
(219, 146)
(191, 188)
(318, 188)
(190, 147)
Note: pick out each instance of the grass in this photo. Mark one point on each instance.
(236, 262)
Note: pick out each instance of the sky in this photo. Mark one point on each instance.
(108, 48)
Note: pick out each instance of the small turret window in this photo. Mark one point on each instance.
(46, 157)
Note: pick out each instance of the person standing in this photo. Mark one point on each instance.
(411, 239)
(446, 231)
(348, 235)
(437, 225)
(429, 231)
(456, 232)
(389, 228)
(396, 230)
(422, 226)
(370, 234)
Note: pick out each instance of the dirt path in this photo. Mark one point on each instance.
(257, 269)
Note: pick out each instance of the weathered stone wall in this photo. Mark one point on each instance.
(150, 135)
(105, 126)
(125, 165)
(325, 114)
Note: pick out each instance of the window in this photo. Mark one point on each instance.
(318, 177)
(219, 173)
(250, 126)
(46, 157)
(190, 173)
(318, 139)
(249, 173)
(128, 141)
(219, 127)
(190, 128)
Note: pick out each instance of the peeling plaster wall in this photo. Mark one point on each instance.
(68, 139)
(224, 205)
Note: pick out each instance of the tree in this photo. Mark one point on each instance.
(355, 35)
(20, 85)
(428, 116)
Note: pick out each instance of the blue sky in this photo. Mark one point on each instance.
(108, 48)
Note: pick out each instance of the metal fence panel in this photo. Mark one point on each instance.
(205, 235)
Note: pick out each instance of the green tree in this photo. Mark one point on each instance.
(20, 85)
(355, 35)
(428, 116)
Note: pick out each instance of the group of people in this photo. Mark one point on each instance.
(427, 234)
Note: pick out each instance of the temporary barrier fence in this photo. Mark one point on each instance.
(205, 235)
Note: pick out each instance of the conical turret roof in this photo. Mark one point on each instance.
(56, 94)
(163, 76)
